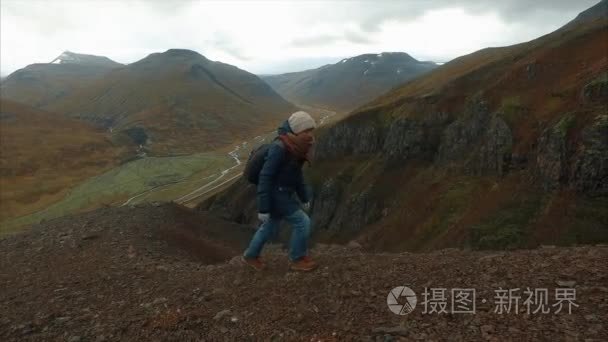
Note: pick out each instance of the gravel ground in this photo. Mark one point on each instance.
(170, 274)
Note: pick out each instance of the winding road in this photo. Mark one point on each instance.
(225, 176)
(206, 188)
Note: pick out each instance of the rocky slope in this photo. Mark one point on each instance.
(349, 83)
(503, 148)
(41, 84)
(168, 274)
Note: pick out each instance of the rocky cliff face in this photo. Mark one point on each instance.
(590, 167)
(480, 142)
(479, 136)
(398, 140)
(350, 138)
(582, 166)
(597, 90)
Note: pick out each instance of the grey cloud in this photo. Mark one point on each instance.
(510, 10)
(294, 64)
(164, 6)
(327, 39)
(357, 38)
(514, 10)
(324, 39)
(404, 11)
(130, 29)
(42, 18)
(235, 52)
(224, 42)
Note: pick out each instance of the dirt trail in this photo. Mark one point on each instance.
(145, 274)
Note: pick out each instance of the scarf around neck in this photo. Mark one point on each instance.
(300, 146)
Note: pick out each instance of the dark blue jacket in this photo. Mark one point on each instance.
(280, 179)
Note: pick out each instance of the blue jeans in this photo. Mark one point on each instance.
(300, 225)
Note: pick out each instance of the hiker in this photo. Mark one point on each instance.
(279, 181)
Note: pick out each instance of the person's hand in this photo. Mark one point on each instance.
(263, 217)
(306, 206)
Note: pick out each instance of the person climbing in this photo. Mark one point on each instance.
(279, 180)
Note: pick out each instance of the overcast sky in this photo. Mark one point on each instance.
(271, 36)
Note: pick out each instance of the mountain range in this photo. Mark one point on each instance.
(182, 101)
(40, 84)
(177, 101)
(351, 82)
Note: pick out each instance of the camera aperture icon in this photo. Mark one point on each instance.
(401, 300)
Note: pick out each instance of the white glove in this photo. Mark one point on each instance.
(306, 206)
(263, 217)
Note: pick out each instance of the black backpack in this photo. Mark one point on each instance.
(255, 161)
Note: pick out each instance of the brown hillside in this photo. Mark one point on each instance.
(43, 154)
(182, 102)
(503, 148)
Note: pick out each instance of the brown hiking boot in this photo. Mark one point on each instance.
(256, 263)
(305, 263)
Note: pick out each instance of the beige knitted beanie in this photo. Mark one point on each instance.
(301, 121)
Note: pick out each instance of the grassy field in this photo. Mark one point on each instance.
(175, 175)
